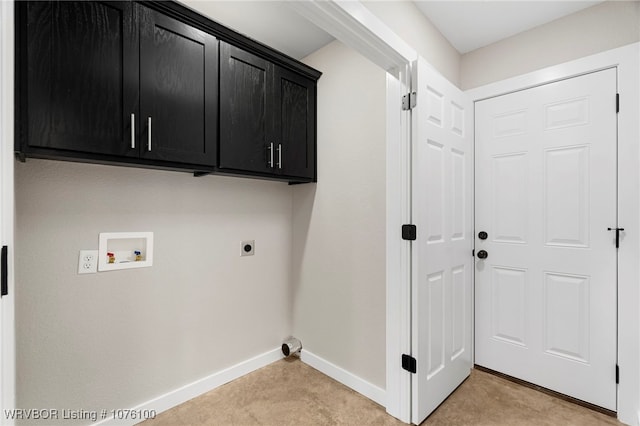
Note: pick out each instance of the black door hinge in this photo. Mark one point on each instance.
(409, 363)
(409, 232)
(617, 374)
(617, 102)
(473, 253)
(4, 284)
(409, 101)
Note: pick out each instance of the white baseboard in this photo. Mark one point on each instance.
(199, 387)
(348, 379)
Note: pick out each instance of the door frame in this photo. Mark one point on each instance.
(626, 60)
(357, 27)
(7, 321)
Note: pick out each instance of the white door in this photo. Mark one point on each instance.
(545, 297)
(7, 357)
(442, 265)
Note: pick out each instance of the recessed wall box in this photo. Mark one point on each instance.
(125, 250)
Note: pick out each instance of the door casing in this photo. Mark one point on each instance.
(7, 322)
(626, 60)
(357, 27)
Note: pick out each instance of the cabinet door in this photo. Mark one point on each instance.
(178, 91)
(295, 101)
(245, 81)
(81, 76)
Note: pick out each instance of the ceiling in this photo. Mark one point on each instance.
(273, 23)
(467, 25)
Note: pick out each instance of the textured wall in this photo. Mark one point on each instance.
(406, 20)
(117, 339)
(602, 27)
(339, 224)
(255, 19)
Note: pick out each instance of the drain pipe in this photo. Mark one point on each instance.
(291, 346)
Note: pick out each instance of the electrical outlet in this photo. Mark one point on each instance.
(88, 262)
(247, 248)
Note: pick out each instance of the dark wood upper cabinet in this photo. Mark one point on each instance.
(178, 90)
(267, 117)
(295, 103)
(81, 76)
(149, 84)
(119, 79)
(244, 123)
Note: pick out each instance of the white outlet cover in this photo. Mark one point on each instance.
(88, 262)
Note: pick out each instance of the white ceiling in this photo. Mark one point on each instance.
(270, 22)
(468, 25)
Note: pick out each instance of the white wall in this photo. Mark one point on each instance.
(117, 339)
(255, 19)
(339, 242)
(602, 27)
(406, 20)
(339, 223)
(113, 340)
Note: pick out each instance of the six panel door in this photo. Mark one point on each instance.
(545, 196)
(441, 276)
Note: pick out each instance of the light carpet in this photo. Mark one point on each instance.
(289, 392)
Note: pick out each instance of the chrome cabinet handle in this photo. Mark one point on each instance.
(133, 130)
(271, 155)
(149, 140)
(279, 155)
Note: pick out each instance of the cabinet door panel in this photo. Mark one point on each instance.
(178, 91)
(295, 114)
(244, 125)
(82, 76)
